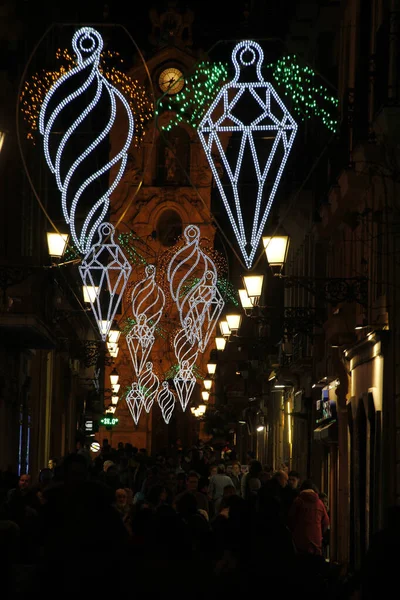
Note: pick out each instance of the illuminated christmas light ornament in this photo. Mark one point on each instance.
(106, 270)
(199, 304)
(148, 385)
(186, 351)
(166, 401)
(252, 112)
(84, 81)
(148, 301)
(134, 400)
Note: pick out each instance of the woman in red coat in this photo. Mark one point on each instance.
(308, 520)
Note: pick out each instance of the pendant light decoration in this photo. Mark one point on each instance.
(106, 270)
(186, 351)
(192, 277)
(80, 96)
(134, 400)
(166, 401)
(148, 385)
(200, 306)
(249, 108)
(148, 301)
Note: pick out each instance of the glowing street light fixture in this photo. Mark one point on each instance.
(205, 395)
(211, 368)
(90, 293)
(220, 342)
(224, 327)
(260, 428)
(114, 400)
(253, 285)
(113, 349)
(201, 409)
(114, 333)
(276, 250)
(57, 243)
(234, 321)
(114, 376)
(244, 299)
(207, 384)
(115, 388)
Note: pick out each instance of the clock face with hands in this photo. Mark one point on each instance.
(171, 81)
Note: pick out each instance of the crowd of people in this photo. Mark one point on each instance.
(123, 521)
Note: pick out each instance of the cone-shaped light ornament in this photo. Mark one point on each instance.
(134, 400)
(186, 352)
(262, 133)
(106, 270)
(78, 98)
(184, 382)
(166, 401)
(148, 384)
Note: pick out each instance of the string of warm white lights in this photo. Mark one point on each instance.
(282, 129)
(105, 271)
(87, 44)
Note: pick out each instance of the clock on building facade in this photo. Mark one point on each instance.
(171, 80)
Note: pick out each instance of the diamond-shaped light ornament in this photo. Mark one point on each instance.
(261, 131)
(134, 400)
(184, 382)
(106, 270)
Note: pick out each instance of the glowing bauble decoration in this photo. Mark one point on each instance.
(251, 111)
(79, 97)
(134, 400)
(148, 385)
(105, 270)
(166, 401)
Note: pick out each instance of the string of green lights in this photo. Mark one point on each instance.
(198, 93)
(309, 97)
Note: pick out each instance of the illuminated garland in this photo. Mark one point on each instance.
(173, 370)
(36, 88)
(228, 291)
(309, 97)
(126, 241)
(190, 104)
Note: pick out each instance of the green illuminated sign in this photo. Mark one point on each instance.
(109, 421)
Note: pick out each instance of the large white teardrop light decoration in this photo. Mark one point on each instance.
(148, 301)
(192, 276)
(86, 94)
(267, 119)
(166, 401)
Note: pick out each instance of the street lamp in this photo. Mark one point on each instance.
(201, 409)
(114, 376)
(244, 299)
(253, 285)
(220, 342)
(205, 395)
(115, 388)
(57, 243)
(90, 293)
(234, 321)
(114, 400)
(276, 250)
(207, 384)
(225, 329)
(113, 349)
(211, 368)
(114, 333)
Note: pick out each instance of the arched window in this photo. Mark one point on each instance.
(169, 227)
(173, 157)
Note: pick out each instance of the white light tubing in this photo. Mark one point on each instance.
(84, 80)
(222, 117)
